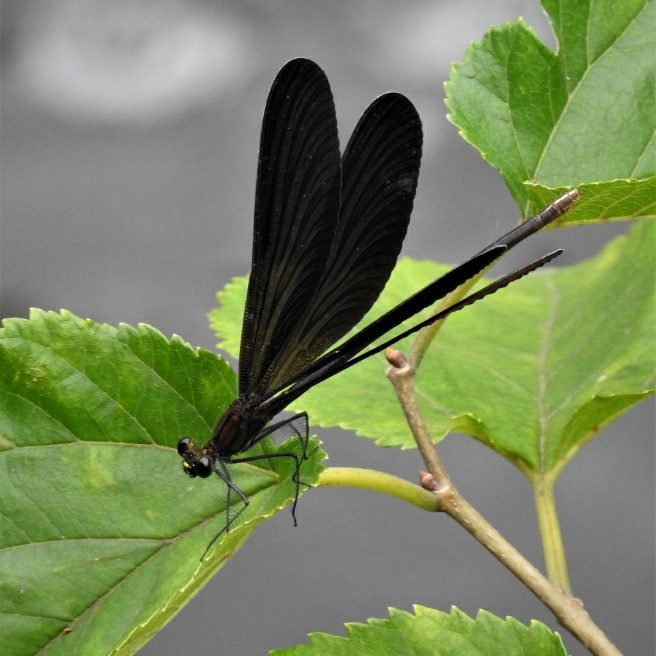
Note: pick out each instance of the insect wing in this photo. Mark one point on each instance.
(296, 212)
(380, 168)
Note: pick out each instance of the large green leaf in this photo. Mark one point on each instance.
(584, 116)
(436, 633)
(101, 531)
(534, 371)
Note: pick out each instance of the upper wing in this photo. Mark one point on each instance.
(296, 212)
(380, 169)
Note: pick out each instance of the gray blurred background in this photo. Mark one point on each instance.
(129, 149)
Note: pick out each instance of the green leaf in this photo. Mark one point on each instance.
(579, 117)
(432, 632)
(618, 200)
(534, 371)
(101, 532)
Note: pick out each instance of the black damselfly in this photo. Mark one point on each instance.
(327, 234)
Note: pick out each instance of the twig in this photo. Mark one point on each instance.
(568, 610)
(400, 373)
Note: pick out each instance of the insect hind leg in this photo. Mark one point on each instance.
(295, 477)
(295, 426)
(298, 427)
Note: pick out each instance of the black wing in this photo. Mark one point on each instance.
(296, 211)
(380, 169)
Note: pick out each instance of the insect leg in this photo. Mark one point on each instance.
(222, 472)
(302, 433)
(295, 478)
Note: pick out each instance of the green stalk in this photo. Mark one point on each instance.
(426, 335)
(377, 481)
(552, 539)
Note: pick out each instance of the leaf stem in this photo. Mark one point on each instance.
(552, 540)
(426, 335)
(369, 479)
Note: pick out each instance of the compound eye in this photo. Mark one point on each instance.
(203, 467)
(184, 445)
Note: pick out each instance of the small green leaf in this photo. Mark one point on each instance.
(581, 117)
(432, 632)
(534, 371)
(617, 200)
(101, 532)
(226, 319)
